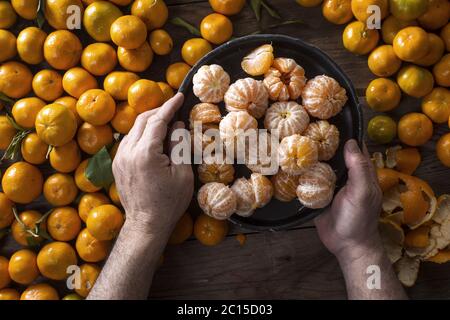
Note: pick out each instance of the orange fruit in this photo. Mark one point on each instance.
(47, 85)
(22, 182)
(90, 201)
(415, 129)
(117, 84)
(88, 275)
(99, 58)
(227, 7)
(7, 132)
(153, 13)
(54, 259)
(383, 94)
(445, 35)
(56, 124)
(124, 118)
(391, 26)
(407, 10)
(161, 42)
(104, 222)
(4, 274)
(194, 49)
(411, 44)
(258, 61)
(65, 158)
(436, 105)
(358, 39)
(23, 267)
(128, 32)
(57, 12)
(72, 296)
(96, 107)
(7, 15)
(144, 95)
(90, 249)
(6, 211)
(62, 49)
(25, 111)
(9, 294)
(176, 73)
(441, 71)
(71, 103)
(360, 8)
(60, 189)
(15, 79)
(387, 178)
(337, 11)
(27, 9)
(82, 181)
(408, 160)
(64, 224)
(415, 81)
(383, 62)
(77, 81)
(309, 3)
(33, 149)
(41, 291)
(443, 149)
(20, 231)
(183, 229)
(166, 90)
(92, 138)
(210, 231)
(435, 53)
(135, 60)
(8, 43)
(382, 129)
(436, 16)
(114, 194)
(98, 18)
(216, 28)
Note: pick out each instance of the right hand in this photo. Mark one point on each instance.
(350, 226)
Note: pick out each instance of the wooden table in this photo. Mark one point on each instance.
(290, 264)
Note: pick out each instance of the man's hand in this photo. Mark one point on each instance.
(153, 191)
(349, 229)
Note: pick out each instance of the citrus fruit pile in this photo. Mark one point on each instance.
(409, 56)
(67, 97)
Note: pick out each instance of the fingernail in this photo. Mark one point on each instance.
(352, 146)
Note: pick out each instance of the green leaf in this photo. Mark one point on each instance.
(13, 150)
(40, 18)
(256, 7)
(99, 169)
(6, 99)
(272, 12)
(14, 123)
(177, 21)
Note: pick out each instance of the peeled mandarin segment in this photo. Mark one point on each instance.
(223, 173)
(285, 80)
(285, 186)
(204, 113)
(217, 200)
(258, 62)
(418, 238)
(414, 205)
(259, 157)
(263, 189)
(323, 97)
(316, 186)
(297, 153)
(327, 137)
(247, 95)
(288, 118)
(245, 197)
(232, 126)
(210, 83)
(408, 160)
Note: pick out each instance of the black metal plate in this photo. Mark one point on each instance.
(279, 215)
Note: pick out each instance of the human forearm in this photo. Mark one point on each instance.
(129, 269)
(359, 266)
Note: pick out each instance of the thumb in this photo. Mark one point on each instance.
(359, 166)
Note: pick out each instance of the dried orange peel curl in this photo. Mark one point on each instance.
(404, 160)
